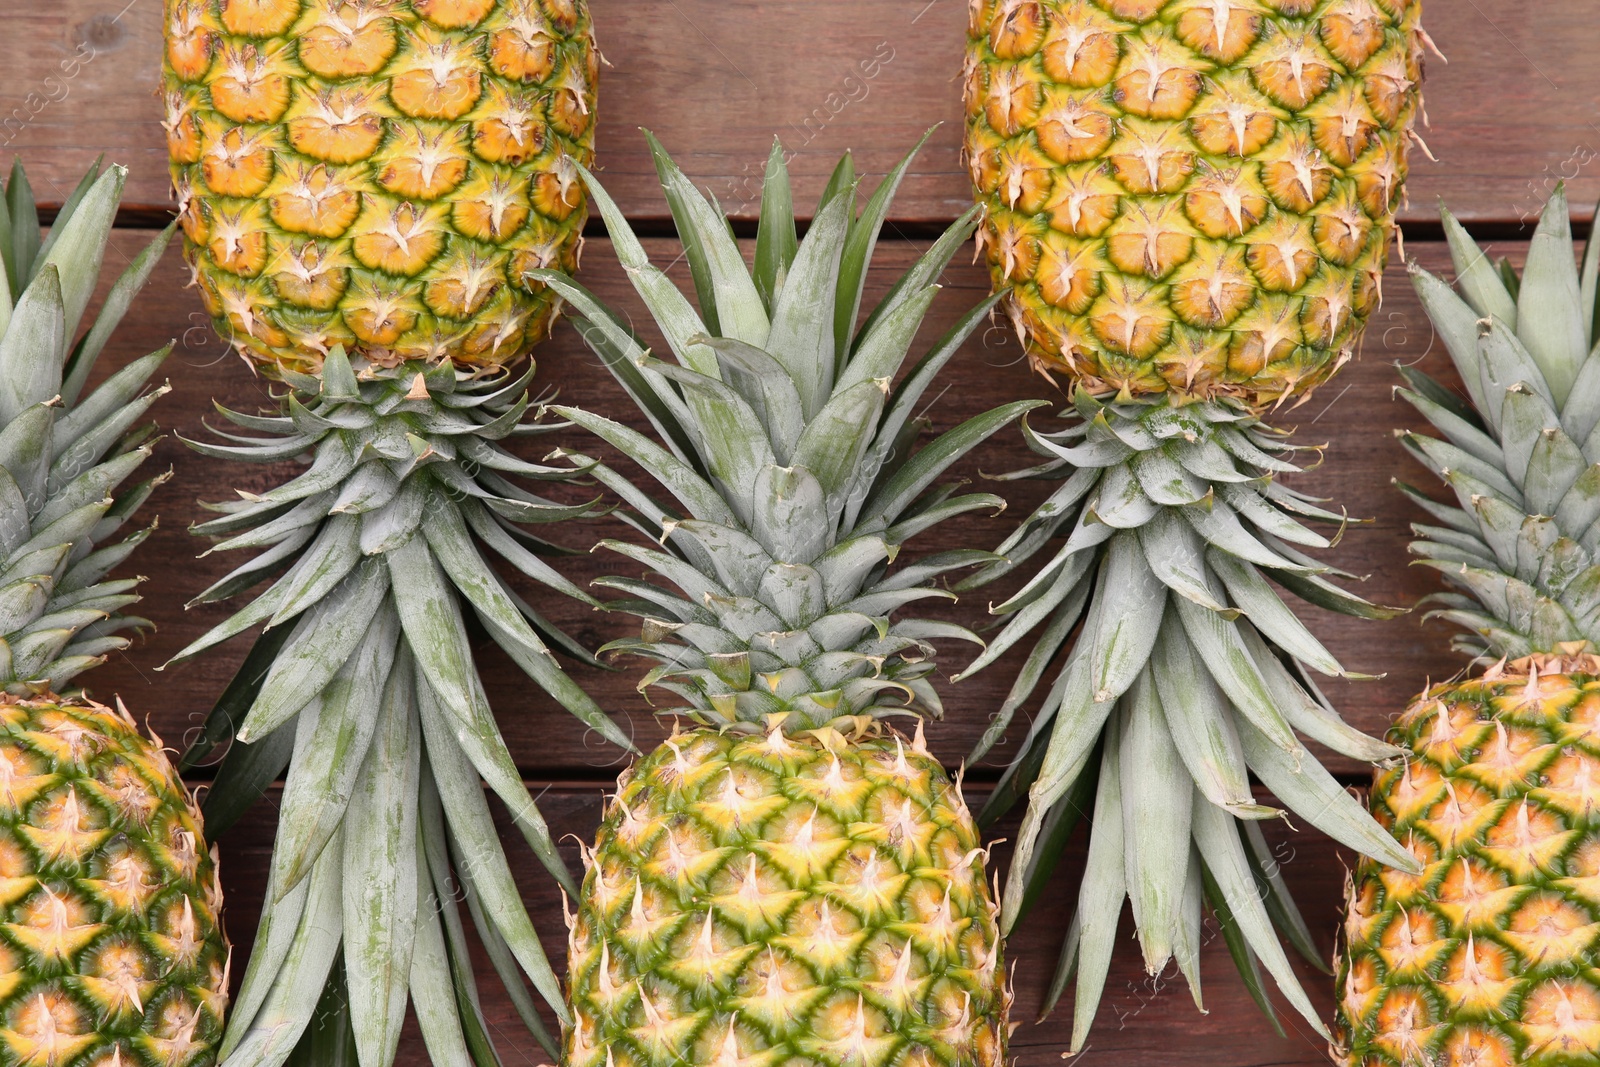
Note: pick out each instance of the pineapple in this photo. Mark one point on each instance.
(363, 186)
(1488, 956)
(1187, 205)
(379, 174)
(1194, 197)
(113, 950)
(788, 879)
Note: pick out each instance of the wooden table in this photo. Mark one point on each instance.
(1515, 111)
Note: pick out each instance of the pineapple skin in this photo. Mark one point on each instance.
(379, 173)
(786, 899)
(1486, 959)
(1187, 197)
(111, 944)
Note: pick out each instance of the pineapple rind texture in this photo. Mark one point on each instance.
(379, 174)
(785, 899)
(1488, 956)
(1194, 198)
(111, 942)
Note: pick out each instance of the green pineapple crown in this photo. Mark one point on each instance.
(790, 456)
(1524, 458)
(64, 455)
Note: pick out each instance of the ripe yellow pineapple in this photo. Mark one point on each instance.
(379, 174)
(1191, 196)
(111, 945)
(788, 880)
(1488, 956)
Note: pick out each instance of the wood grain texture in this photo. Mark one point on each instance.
(1141, 1017)
(1354, 415)
(1513, 112)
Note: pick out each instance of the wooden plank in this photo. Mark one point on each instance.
(1139, 1018)
(547, 742)
(1512, 113)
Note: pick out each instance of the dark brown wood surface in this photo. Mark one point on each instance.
(1513, 112)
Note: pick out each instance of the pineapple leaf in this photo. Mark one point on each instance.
(21, 263)
(1175, 554)
(31, 349)
(77, 246)
(1100, 893)
(1476, 274)
(669, 307)
(776, 241)
(14, 524)
(881, 352)
(1269, 614)
(269, 1037)
(1549, 321)
(70, 205)
(436, 635)
(480, 860)
(836, 439)
(1244, 960)
(730, 303)
(230, 709)
(733, 440)
(448, 536)
(926, 270)
(1156, 807)
(381, 902)
(1275, 894)
(841, 182)
(801, 338)
(907, 483)
(1064, 615)
(766, 387)
(622, 352)
(791, 514)
(1218, 841)
(274, 937)
(505, 965)
(1198, 717)
(1456, 325)
(1305, 715)
(117, 302)
(325, 637)
(857, 257)
(1228, 658)
(433, 986)
(333, 735)
(1306, 788)
(333, 555)
(1064, 818)
(701, 500)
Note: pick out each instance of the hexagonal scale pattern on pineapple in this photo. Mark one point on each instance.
(111, 948)
(1191, 197)
(1487, 956)
(376, 174)
(758, 900)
